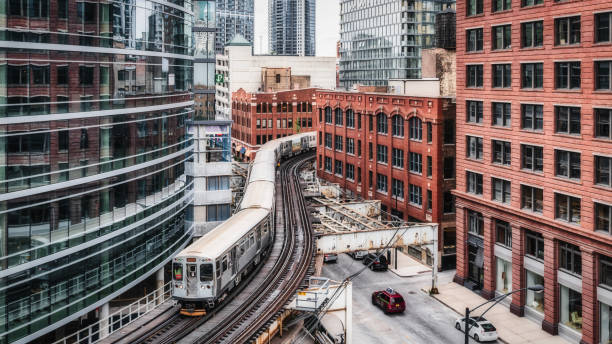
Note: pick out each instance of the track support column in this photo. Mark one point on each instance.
(104, 312)
(159, 285)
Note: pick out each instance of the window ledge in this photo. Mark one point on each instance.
(602, 44)
(603, 91)
(565, 90)
(525, 8)
(570, 180)
(474, 87)
(474, 159)
(501, 127)
(502, 11)
(601, 139)
(568, 135)
(497, 164)
(532, 89)
(501, 50)
(475, 124)
(537, 173)
(501, 88)
(477, 15)
(475, 52)
(565, 46)
(567, 223)
(602, 187)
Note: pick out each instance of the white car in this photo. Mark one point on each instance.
(358, 254)
(480, 329)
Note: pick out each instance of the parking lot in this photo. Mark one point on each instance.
(424, 321)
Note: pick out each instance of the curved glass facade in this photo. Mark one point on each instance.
(94, 100)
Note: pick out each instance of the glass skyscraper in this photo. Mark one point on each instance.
(382, 40)
(94, 101)
(292, 27)
(234, 17)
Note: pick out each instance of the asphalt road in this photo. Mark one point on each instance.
(425, 321)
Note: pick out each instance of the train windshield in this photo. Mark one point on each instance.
(177, 271)
(206, 272)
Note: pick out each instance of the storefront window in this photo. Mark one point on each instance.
(535, 300)
(605, 324)
(571, 308)
(504, 276)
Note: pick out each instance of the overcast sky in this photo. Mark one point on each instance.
(328, 27)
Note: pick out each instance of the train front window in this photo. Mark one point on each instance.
(206, 272)
(177, 271)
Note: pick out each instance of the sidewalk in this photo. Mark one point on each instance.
(510, 328)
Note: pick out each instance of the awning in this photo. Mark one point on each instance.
(475, 240)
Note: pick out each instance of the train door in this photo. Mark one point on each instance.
(192, 279)
(258, 238)
(234, 260)
(219, 274)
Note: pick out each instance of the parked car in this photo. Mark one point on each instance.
(330, 258)
(378, 263)
(480, 329)
(389, 301)
(358, 254)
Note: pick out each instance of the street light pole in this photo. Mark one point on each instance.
(467, 324)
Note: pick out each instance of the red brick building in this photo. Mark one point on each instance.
(394, 148)
(261, 117)
(534, 192)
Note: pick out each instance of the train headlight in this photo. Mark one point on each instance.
(179, 286)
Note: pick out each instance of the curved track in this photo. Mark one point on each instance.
(267, 289)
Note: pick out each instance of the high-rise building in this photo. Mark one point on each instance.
(382, 40)
(211, 168)
(234, 17)
(291, 27)
(534, 157)
(94, 100)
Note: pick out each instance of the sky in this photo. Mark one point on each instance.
(327, 31)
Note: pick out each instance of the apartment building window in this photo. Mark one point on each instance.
(338, 167)
(532, 34)
(474, 183)
(449, 132)
(603, 218)
(474, 7)
(381, 124)
(603, 123)
(429, 200)
(503, 233)
(370, 123)
(359, 175)
(474, 40)
(501, 114)
(532, 198)
(216, 183)
(416, 128)
(475, 223)
(218, 212)
(534, 244)
(358, 147)
(429, 166)
(525, 3)
(350, 145)
(603, 69)
(474, 111)
(570, 258)
(567, 164)
(474, 75)
(320, 138)
(532, 158)
(370, 150)
(397, 188)
(567, 120)
(502, 152)
(449, 167)
(567, 208)
(416, 163)
(603, 29)
(567, 75)
(449, 203)
(397, 158)
(381, 182)
(62, 75)
(532, 75)
(358, 121)
(501, 5)
(338, 116)
(397, 126)
(338, 143)
(532, 117)
(62, 9)
(416, 195)
(40, 75)
(474, 145)
(501, 190)
(86, 75)
(328, 164)
(502, 37)
(381, 154)
(328, 115)
(603, 171)
(429, 132)
(350, 171)
(328, 140)
(567, 30)
(350, 118)
(502, 75)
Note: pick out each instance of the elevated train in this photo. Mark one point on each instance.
(206, 271)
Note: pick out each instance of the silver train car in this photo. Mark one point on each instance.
(206, 271)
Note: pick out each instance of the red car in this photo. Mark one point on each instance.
(389, 301)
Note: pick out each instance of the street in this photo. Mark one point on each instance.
(424, 321)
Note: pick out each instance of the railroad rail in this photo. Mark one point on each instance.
(266, 290)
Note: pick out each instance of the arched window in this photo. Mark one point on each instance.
(328, 115)
(350, 118)
(338, 116)
(397, 123)
(416, 128)
(381, 124)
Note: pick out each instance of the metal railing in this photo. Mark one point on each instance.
(121, 318)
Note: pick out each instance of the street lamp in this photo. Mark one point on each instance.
(538, 288)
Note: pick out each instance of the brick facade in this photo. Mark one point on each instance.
(366, 128)
(585, 228)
